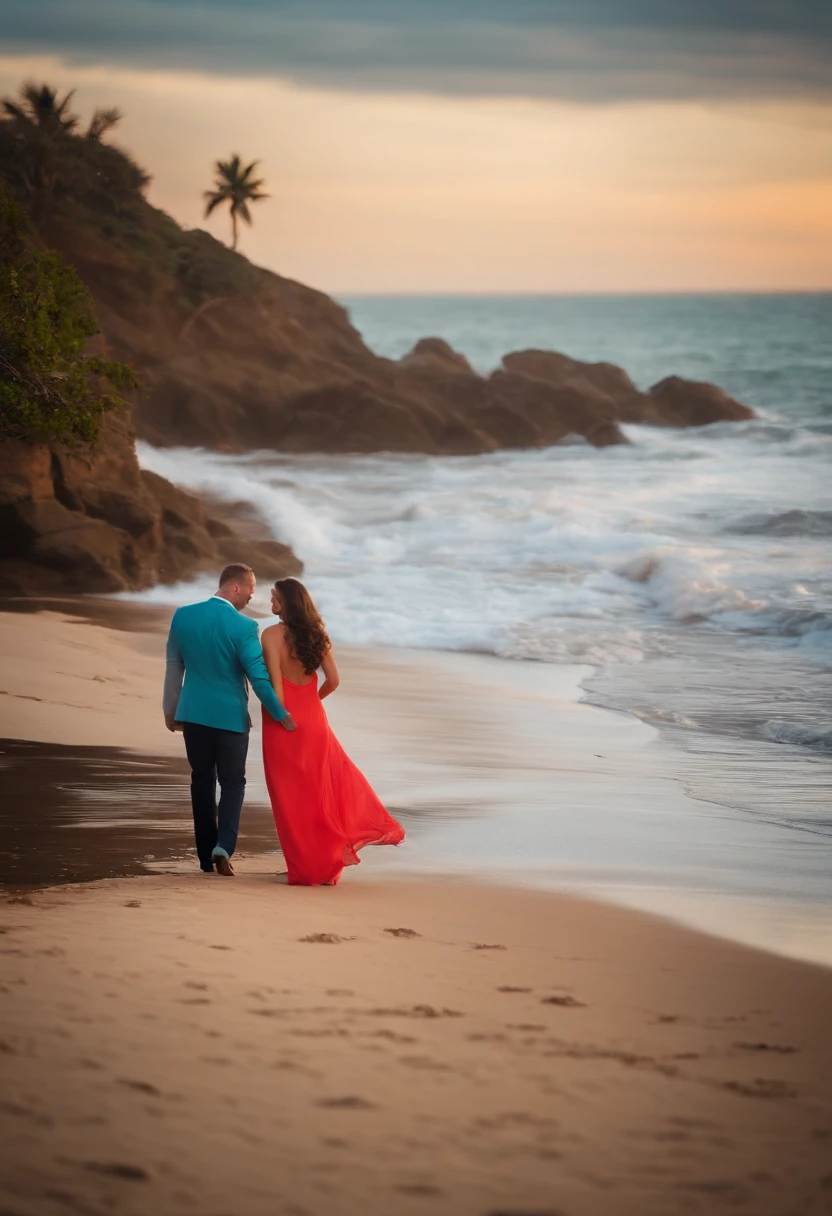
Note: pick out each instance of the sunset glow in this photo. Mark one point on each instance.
(406, 192)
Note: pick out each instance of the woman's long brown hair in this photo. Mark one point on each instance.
(306, 635)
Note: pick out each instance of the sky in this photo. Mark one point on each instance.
(433, 146)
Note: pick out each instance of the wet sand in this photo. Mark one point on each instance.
(496, 769)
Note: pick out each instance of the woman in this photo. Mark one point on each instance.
(324, 808)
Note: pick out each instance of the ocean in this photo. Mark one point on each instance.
(690, 570)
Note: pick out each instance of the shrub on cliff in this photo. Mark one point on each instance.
(49, 388)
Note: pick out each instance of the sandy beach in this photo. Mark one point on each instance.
(189, 1044)
(414, 1039)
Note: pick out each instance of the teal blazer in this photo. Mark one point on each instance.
(213, 648)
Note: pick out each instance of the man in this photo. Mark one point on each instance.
(213, 648)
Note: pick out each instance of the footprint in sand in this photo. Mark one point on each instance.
(391, 1036)
(564, 1002)
(760, 1088)
(416, 1011)
(403, 932)
(347, 1103)
(133, 903)
(118, 1169)
(525, 1212)
(485, 946)
(778, 1048)
(511, 988)
(143, 1087)
(330, 939)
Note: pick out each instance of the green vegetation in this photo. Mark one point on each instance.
(87, 194)
(41, 151)
(38, 106)
(49, 389)
(237, 187)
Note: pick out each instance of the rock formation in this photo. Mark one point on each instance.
(672, 402)
(234, 358)
(679, 402)
(94, 522)
(237, 358)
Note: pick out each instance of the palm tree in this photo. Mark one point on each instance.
(38, 106)
(234, 185)
(103, 121)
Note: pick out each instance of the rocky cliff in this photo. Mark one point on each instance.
(92, 521)
(252, 360)
(236, 357)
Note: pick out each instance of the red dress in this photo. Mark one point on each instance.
(324, 807)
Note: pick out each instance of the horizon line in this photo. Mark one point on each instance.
(572, 295)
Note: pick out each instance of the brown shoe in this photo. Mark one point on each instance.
(223, 866)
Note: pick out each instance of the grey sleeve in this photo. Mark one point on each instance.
(174, 674)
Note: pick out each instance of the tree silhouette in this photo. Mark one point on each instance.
(236, 186)
(37, 105)
(103, 121)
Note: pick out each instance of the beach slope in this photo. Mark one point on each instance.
(191, 1043)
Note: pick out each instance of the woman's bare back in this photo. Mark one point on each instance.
(278, 653)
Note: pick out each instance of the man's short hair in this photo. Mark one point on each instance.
(236, 572)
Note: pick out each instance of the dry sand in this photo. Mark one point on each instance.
(234, 1047)
(65, 679)
(238, 1047)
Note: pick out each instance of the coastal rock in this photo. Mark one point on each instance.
(234, 357)
(436, 352)
(556, 410)
(681, 402)
(672, 402)
(193, 539)
(357, 416)
(91, 521)
(513, 408)
(607, 379)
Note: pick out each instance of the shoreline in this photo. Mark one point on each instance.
(497, 769)
(414, 1039)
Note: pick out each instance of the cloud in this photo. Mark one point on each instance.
(588, 51)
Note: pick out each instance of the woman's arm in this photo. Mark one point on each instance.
(331, 677)
(272, 646)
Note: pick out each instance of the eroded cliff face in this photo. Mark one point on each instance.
(235, 358)
(93, 521)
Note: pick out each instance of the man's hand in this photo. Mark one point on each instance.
(172, 724)
(288, 723)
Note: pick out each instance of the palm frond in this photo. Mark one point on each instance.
(212, 201)
(39, 104)
(15, 111)
(103, 120)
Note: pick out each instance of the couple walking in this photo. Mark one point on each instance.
(324, 808)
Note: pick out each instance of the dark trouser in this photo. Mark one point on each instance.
(214, 755)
